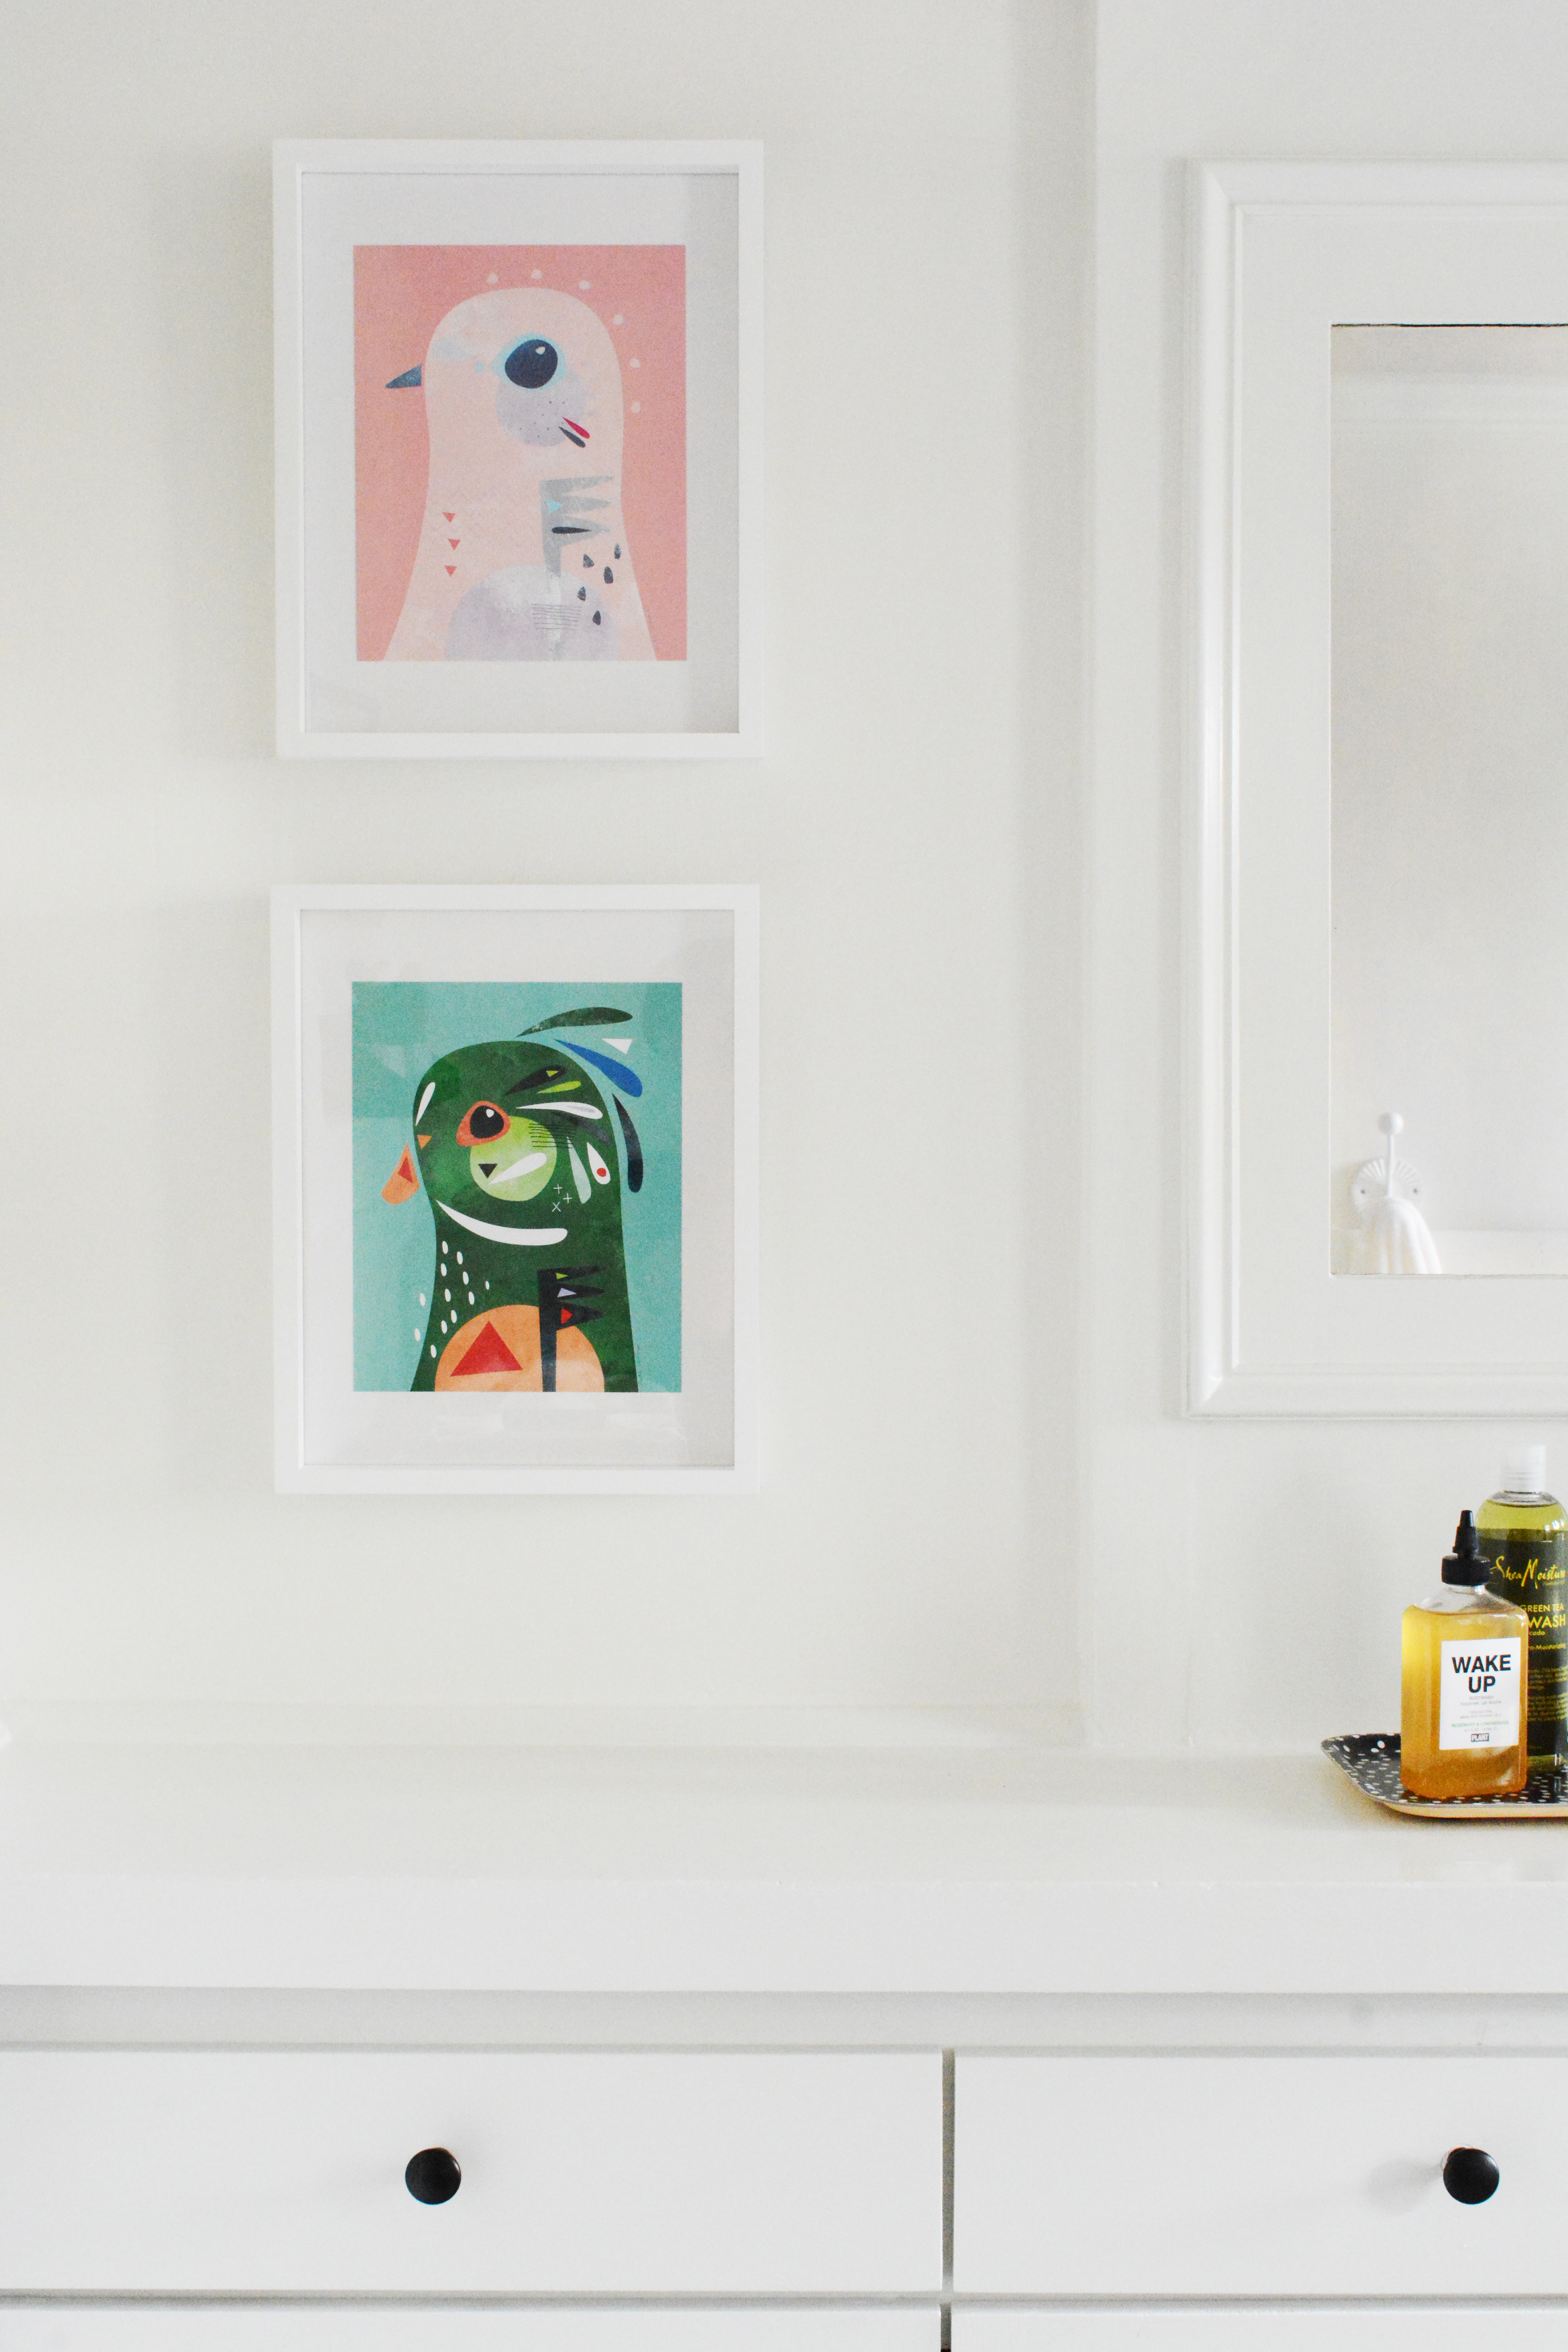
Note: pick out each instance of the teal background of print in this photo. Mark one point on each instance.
(400, 1027)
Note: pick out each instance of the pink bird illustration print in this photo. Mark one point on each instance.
(523, 553)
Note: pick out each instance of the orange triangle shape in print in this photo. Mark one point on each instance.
(452, 542)
(450, 569)
(403, 1183)
(446, 517)
(489, 1353)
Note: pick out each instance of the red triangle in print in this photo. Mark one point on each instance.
(450, 569)
(489, 1353)
(452, 542)
(447, 517)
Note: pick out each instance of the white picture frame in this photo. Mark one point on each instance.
(353, 965)
(1279, 255)
(358, 469)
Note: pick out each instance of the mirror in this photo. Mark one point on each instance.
(1449, 858)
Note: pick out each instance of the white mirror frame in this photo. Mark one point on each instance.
(1280, 253)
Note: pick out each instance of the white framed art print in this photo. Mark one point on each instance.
(519, 389)
(515, 1176)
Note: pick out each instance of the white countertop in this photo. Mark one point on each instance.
(528, 1870)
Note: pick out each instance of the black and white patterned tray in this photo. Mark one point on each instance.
(1370, 1758)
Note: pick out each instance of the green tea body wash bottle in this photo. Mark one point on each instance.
(1523, 1533)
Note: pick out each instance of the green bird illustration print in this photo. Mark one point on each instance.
(520, 1158)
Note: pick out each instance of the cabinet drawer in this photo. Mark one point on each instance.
(582, 2173)
(108, 2328)
(1207, 2329)
(1117, 2176)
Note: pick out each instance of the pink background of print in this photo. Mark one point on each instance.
(402, 292)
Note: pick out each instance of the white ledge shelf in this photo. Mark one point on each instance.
(585, 1870)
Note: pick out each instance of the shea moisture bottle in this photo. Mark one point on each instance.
(1461, 1711)
(1524, 1542)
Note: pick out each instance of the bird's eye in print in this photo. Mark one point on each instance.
(482, 1124)
(532, 364)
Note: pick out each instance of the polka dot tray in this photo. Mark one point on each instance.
(1370, 1758)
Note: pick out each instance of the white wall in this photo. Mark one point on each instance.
(1244, 1581)
(913, 828)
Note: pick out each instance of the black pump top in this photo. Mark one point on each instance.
(1464, 1564)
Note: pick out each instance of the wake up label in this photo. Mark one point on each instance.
(1479, 1706)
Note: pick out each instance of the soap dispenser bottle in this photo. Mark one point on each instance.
(1466, 1658)
(1524, 1542)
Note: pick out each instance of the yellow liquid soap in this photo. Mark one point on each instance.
(1464, 1672)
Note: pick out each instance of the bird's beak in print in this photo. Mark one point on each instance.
(403, 1183)
(409, 380)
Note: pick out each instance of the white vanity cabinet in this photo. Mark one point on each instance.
(743, 2054)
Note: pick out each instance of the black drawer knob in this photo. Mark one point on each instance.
(434, 2174)
(1470, 2175)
